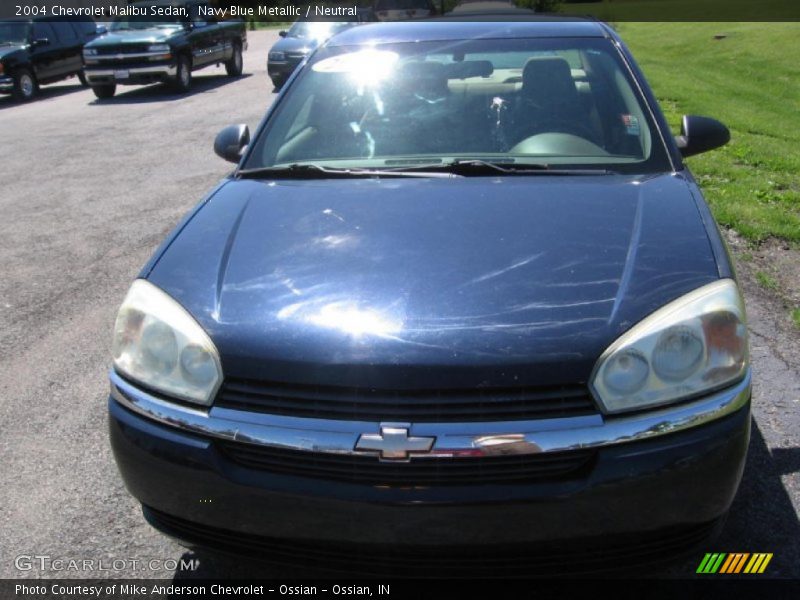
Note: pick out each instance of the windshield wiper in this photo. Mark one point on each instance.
(475, 166)
(312, 171)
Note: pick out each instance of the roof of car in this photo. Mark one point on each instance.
(444, 29)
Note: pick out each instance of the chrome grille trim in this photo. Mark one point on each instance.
(452, 439)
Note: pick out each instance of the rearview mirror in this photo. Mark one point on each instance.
(231, 142)
(701, 134)
(282, 33)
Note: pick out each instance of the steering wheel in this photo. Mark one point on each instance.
(559, 144)
(571, 127)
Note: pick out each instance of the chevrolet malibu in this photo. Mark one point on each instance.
(460, 306)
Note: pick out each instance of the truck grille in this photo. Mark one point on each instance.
(484, 470)
(123, 49)
(370, 404)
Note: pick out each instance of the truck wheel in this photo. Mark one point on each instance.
(24, 85)
(104, 91)
(82, 78)
(234, 66)
(183, 75)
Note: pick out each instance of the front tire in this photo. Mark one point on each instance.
(234, 66)
(104, 92)
(24, 85)
(82, 78)
(183, 75)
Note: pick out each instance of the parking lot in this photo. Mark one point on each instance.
(89, 190)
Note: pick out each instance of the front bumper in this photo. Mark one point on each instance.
(6, 85)
(676, 470)
(126, 75)
(278, 71)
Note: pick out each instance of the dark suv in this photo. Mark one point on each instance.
(38, 51)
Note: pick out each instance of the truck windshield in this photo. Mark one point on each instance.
(316, 30)
(145, 22)
(565, 102)
(13, 33)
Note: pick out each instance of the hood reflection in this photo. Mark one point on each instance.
(347, 317)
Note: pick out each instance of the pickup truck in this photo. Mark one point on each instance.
(41, 50)
(163, 41)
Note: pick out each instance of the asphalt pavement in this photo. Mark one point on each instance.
(88, 191)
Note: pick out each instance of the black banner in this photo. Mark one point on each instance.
(282, 11)
(146, 589)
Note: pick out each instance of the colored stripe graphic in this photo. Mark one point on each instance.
(741, 562)
(703, 563)
(711, 563)
(729, 562)
(758, 563)
(733, 563)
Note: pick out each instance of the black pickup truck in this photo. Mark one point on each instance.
(163, 41)
(41, 50)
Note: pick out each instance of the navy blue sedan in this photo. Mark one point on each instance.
(461, 305)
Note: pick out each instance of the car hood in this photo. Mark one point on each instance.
(427, 281)
(137, 36)
(7, 50)
(296, 45)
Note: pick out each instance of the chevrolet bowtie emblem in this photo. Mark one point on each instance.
(394, 443)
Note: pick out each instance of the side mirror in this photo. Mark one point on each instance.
(231, 142)
(701, 134)
(282, 33)
(40, 42)
(102, 30)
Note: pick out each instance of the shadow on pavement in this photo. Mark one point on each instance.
(45, 93)
(160, 92)
(763, 518)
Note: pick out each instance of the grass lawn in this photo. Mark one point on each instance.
(750, 80)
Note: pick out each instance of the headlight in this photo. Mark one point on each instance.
(159, 344)
(158, 48)
(278, 56)
(89, 52)
(693, 345)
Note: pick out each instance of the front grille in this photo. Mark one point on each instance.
(579, 556)
(427, 471)
(123, 49)
(123, 65)
(370, 404)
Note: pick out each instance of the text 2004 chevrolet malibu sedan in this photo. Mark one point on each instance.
(461, 304)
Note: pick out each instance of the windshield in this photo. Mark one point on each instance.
(14, 33)
(552, 101)
(146, 21)
(316, 30)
